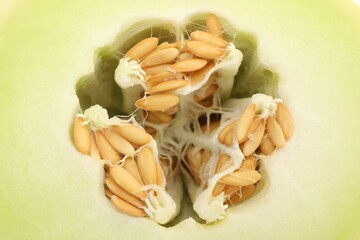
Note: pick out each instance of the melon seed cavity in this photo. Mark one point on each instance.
(185, 124)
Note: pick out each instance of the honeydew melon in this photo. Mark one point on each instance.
(310, 188)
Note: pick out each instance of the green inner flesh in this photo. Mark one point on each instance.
(100, 87)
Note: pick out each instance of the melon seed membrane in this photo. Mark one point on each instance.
(168, 102)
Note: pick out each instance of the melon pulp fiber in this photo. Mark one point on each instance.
(48, 190)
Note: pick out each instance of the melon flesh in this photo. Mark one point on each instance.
(310, 188)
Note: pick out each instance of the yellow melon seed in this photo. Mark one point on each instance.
(82, 136)
(94, 151)
(284, 119)
(157, 69)
(189, 65)
(241, 178)
(209, 38)
(204, 50)
(223, 163)
(275, 133)
(126, 207)
(249, 163)
(159, 174)
(199, 75)
(160, 57)
(160, 102)
(160, 77)
(244, 122)
(147, 165)
(242, 195)
(167, 86)
(119, 143)
(122, 193)
(266, 145)
(125, 180)
(142, 48)
(225, 131)
(160, 117)
(254, 141)
(105, 148)
(208, 92)
(133, 134)
(218, 188)
(213, 25)
(131, 166)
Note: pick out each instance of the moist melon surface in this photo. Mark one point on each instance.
(49, 190)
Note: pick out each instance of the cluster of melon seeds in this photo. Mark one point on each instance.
(221, 154)
(168, 71)
(188, 123)
(135, 180)
(264, 125)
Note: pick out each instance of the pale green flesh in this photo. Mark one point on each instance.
(48, 190)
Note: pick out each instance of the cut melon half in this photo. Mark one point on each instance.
(308, 189)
